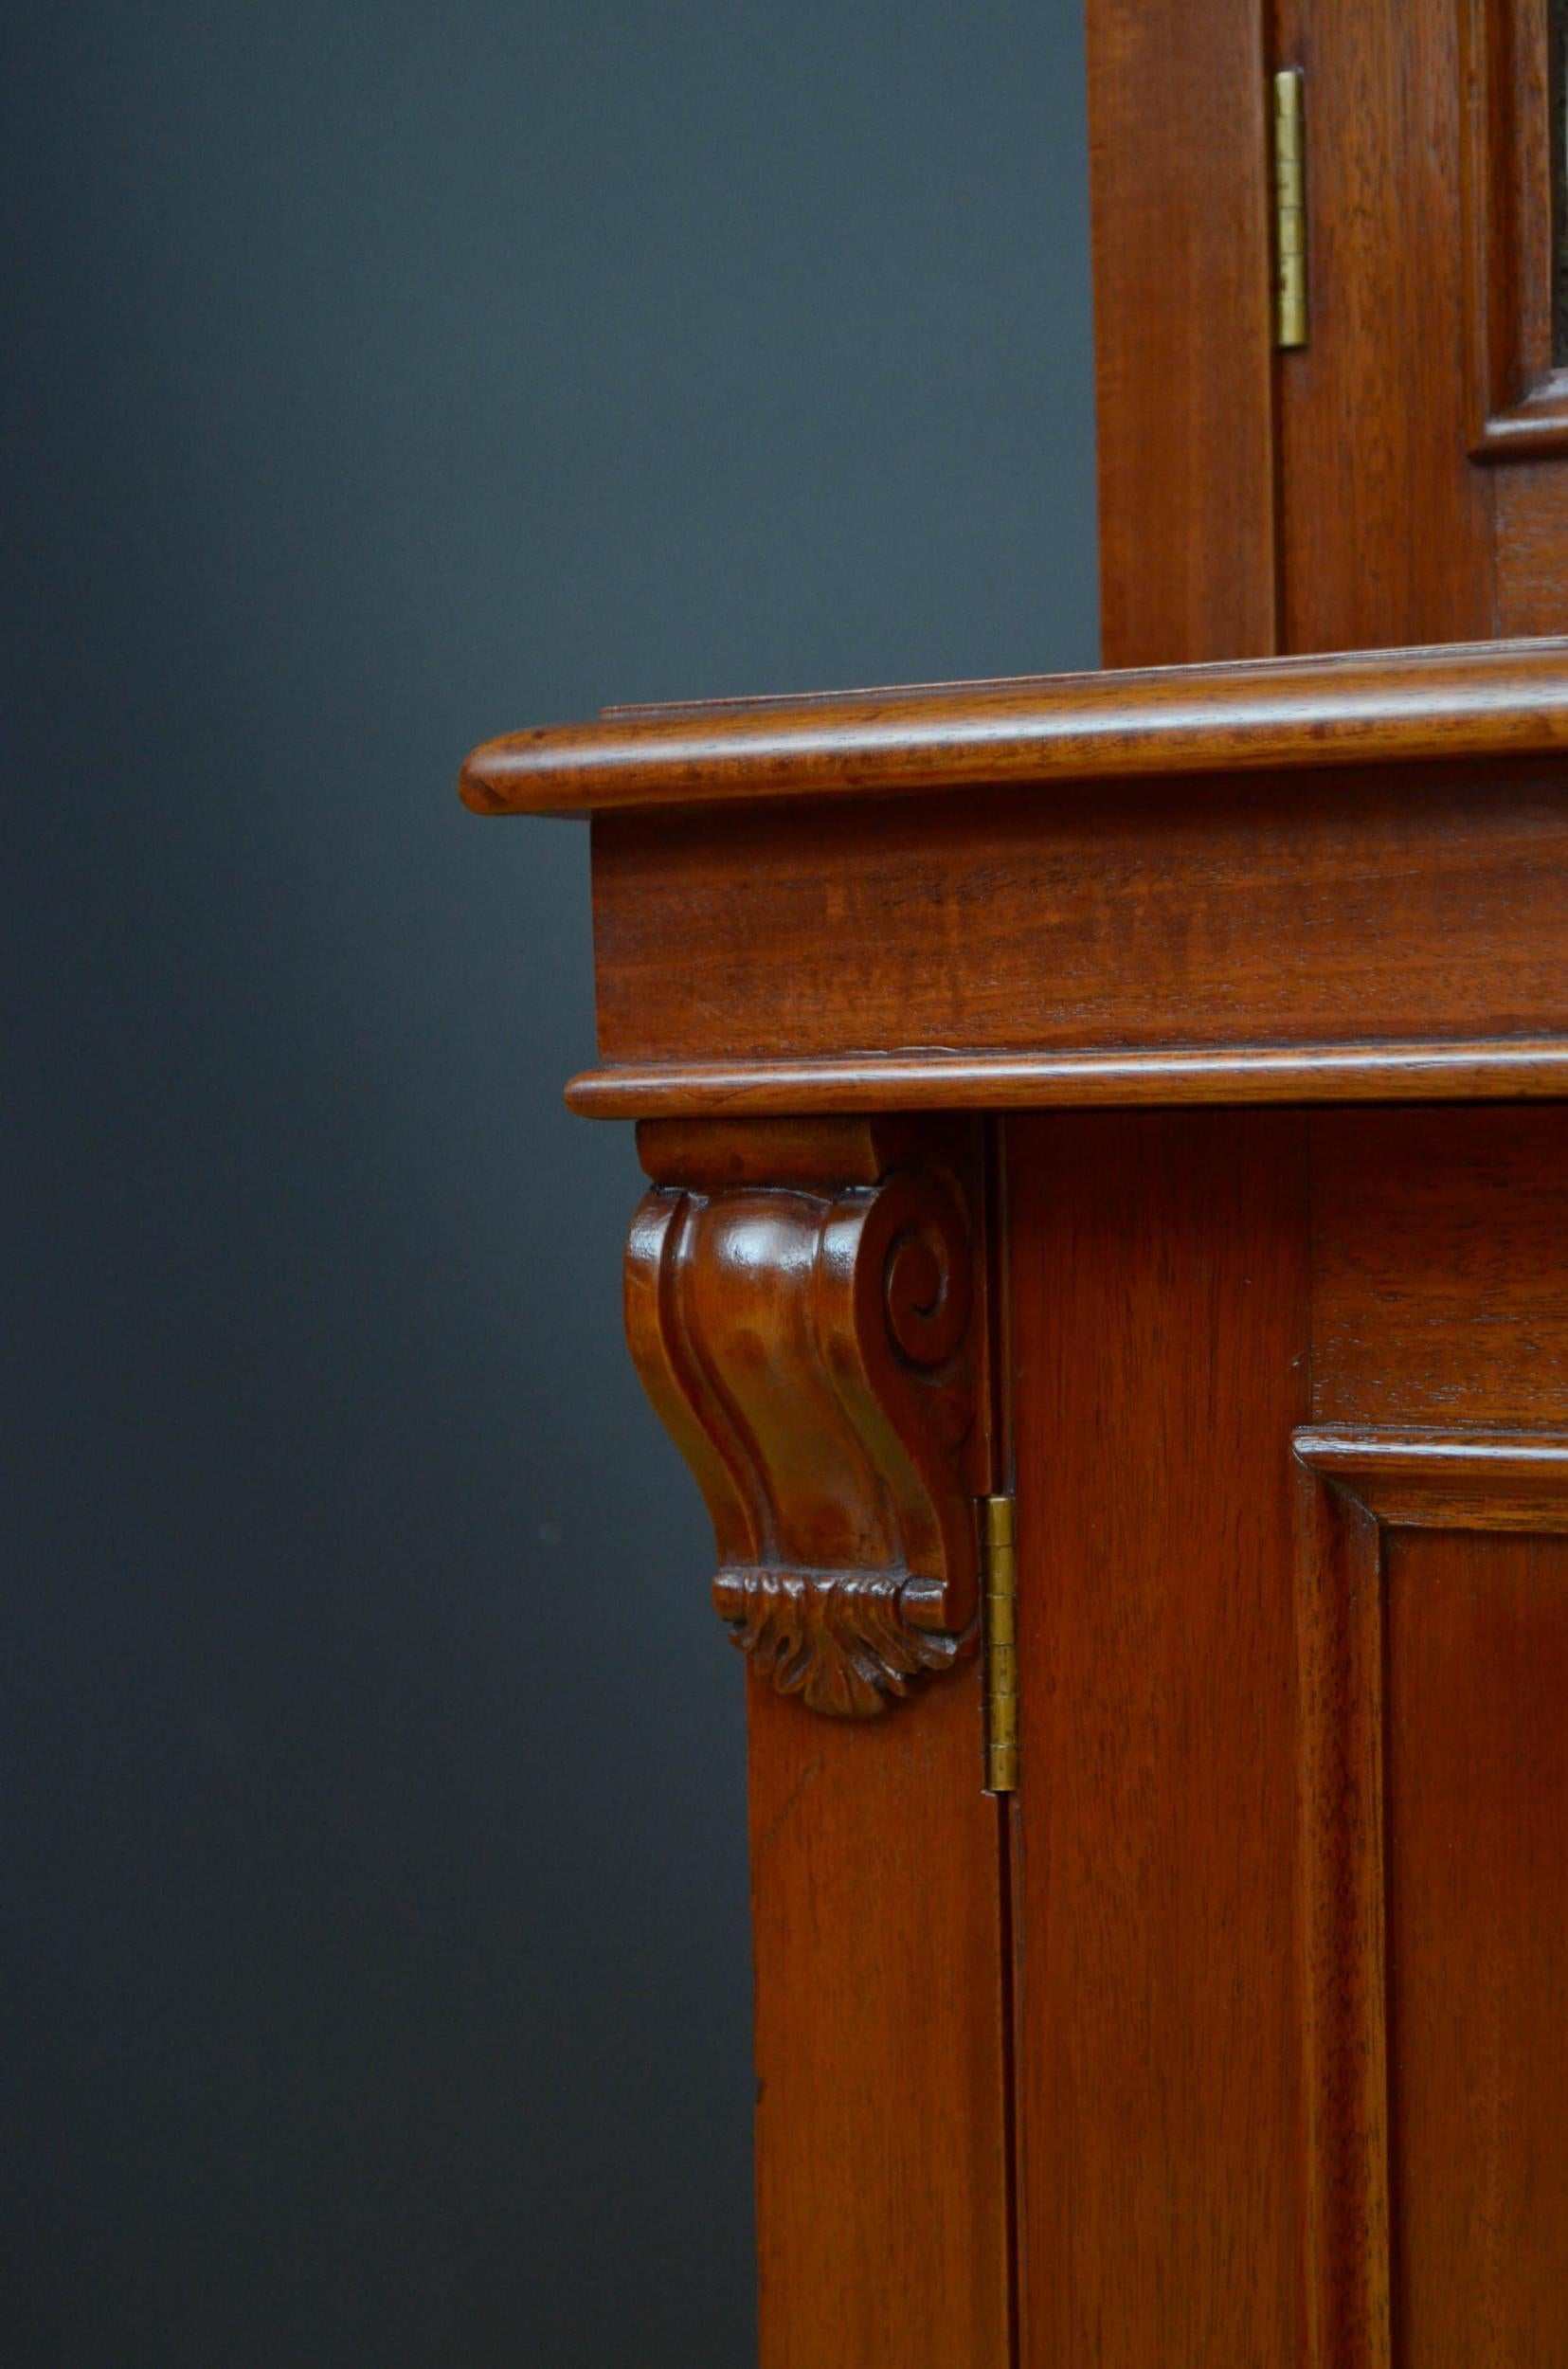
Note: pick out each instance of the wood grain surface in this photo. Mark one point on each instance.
(1507, 135)
(1441, 1268)
(1402, 706)
(1341, 1745)
(1386, 526)
(1183, 329)
(1477, 1660)
(1164, 1076)
(1348, 908)
(1237, 2037)
(1290, 1948)
(808, 1304)
(1434, 1649)
(882, 2204)
(1423, 432)
(1159, 1271)
(1433, 1640)
(1532, 548)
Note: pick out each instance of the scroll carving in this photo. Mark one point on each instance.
(811, 1348)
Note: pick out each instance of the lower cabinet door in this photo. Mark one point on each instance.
(1290, 1853)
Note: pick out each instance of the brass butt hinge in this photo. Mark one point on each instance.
(1289, 209)
(1001, 1651)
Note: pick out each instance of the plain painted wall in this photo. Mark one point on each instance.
(381, 376)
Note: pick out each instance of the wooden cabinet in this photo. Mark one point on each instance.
(1288, 1883)
(1128, 1115)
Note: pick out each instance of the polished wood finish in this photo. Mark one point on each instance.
(1422, 433)
(816, 1348)
(806, 1302)
(1159, 1271)
(1520, 394)
(1476, 1811)
(1431, 1776)
(1344, 2036)
(1433, 1479)
(1385, 526)
(1477, 1199)
(1141, 2053)
(1182, 896)
(883, 2222)
(1484, 1069)
(1405, 706)
(1434, 1650)
(1234, 2035)
(1532, 559)
(1292, 1503)
(1248, 912)
(1182, 330)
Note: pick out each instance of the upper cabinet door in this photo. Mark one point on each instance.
(1402, 475)
(1423, 428)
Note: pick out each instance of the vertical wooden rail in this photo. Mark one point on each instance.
(807, 1301)
(1344, 1988)
(1184, 334)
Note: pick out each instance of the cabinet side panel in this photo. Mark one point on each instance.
(1478, 1947)
(881, 2119)
(1160, 1278)
(1181, 330)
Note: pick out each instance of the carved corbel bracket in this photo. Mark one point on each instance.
(804, 1303)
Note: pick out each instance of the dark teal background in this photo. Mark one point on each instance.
(380, 375)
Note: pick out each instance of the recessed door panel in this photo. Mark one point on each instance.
(1477, 1741)
(1432, 1612)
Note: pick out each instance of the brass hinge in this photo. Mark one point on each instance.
(1001, 1652)
(1289, 209)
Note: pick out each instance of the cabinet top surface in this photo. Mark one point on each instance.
(1460, 700)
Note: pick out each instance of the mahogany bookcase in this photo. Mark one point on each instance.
(1106, 1264)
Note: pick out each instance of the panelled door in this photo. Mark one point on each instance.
(1422, 430)
(1289, 1870)
(1402, 475)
